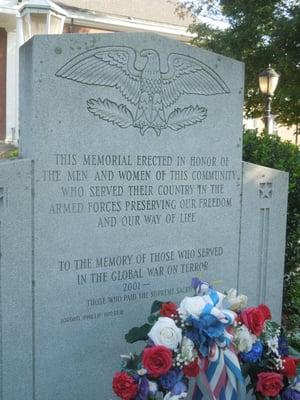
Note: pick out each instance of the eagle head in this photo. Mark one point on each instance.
(149, 53)
(152, 67)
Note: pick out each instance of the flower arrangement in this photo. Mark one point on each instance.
(264, 354)
(206, 346)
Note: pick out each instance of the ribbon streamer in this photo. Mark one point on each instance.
(221, 377)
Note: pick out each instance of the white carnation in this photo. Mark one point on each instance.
(244, 339)
(236, 302)
(165, 332)
(153, 387)
(272, 343)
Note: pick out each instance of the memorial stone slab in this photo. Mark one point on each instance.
(130, 186)
(263, 228)
(136, 148)
(16, 280)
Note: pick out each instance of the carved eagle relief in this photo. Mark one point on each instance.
(147, 88)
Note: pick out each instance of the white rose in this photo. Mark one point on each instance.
(191, 306)
(168, 396)
(236, 302)
(243, 339)
(165, 332)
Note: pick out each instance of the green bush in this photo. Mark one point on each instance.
(271, 151)
(291, 308)
(11, 153)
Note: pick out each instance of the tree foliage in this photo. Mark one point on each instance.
(259, 33)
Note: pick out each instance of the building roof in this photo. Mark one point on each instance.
(161, 11)
(157, 16)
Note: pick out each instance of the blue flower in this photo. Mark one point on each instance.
(168, 380)
(193, 335)
(195, 283)
(254, 354)
(208, 328)
(180, 387)
(200, 287)
(143, 389)
(290, 394)
(150, 343)
(283, 347)
(211, 326)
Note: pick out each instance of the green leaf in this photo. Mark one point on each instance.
(156, 305)
(152, 319)
(249, 387)
(132, 363)
(138, 333)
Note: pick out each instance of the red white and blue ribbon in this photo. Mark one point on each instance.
(221, 380)
(220, 375)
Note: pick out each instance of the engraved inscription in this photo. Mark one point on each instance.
(134, 275)
(119, 190)
(141, 81)
(131, 192)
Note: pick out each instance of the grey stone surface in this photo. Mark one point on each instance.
(263, 227)
(130, 186)
(169, 117)
(15, 280)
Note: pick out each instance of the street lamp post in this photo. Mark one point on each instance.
(268, 81)
(40, 17)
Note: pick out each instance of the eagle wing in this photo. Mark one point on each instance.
(106, 66)
(187, 75)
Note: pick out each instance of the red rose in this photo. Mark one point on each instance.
(124, 386)
(157, 360)
(168, 309)
(269, 384)
(266, 311)
(289, 366)
(254, 319)
(192, 370)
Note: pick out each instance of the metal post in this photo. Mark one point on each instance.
(268, 116)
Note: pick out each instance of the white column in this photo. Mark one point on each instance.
(12, 134)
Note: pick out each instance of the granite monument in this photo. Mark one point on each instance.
(130, 184)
